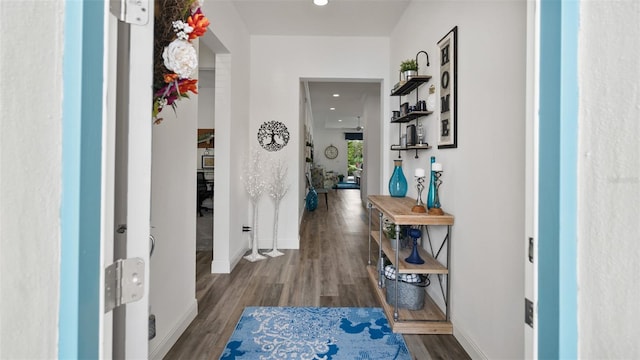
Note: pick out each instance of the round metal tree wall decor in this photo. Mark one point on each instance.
(273, 135)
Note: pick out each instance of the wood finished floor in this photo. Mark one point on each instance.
(328, 270)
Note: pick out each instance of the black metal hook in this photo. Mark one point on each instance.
(424, 52)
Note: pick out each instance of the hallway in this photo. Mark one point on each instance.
(328, 270)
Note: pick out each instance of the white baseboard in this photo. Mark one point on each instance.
(225, 266)
(235, 259)
(163, 346)
(220, 267)
(283, 244)
(467, 344)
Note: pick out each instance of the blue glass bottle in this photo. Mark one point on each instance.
(397, 183)
(431, 196)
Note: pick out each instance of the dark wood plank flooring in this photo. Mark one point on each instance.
(328, 270)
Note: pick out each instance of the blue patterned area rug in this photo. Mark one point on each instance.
(306, 333)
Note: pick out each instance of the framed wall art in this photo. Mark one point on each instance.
(273, 135)
(206, 138)
(208, 161)
(448, 128)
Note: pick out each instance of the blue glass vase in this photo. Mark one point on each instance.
(397, 183)
(431, 196)
(311, 202)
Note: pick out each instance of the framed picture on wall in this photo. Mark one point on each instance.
(208, 161)
(448, 127)
(206, 138)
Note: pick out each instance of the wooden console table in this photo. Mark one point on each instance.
(430, 319)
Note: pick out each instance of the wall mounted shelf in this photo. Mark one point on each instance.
(411, 116)
(406, 87)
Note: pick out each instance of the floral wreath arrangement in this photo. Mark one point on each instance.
(177, 23)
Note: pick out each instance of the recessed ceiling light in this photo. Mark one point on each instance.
(332, 108)
(321, 2)
(339, 120)
(336, 95)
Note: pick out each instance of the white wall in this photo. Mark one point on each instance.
(173, 223)
(487, 201)
(277, 65)
(372, 149)
(206, 111)
(371, 121)
(609, 180)
(206, 95)
(230, 43)
(206, 59)
(324, 138)
(30, 177)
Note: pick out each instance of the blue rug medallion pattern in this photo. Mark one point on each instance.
(310, 333)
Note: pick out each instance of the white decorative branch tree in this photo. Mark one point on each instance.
(277, 188)
(255, 185)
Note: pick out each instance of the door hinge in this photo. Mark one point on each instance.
(152, 326)
(531, 250)
(134, 12)
(528, 312)
(123, 283)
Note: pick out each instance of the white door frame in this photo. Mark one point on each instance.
(139, 178)
(87, 172)
(531, 175)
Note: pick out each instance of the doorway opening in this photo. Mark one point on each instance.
(344, 119)
(355, 160)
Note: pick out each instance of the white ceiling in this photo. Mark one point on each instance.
(348, 106)
(338, 18)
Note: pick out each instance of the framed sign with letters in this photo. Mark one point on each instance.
(448, 128)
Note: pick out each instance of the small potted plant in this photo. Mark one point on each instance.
(409, 68)
(340, 177)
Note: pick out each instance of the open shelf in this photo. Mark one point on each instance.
(428, 320)
(411, 116)
(398, 210)
(411, 147)
(430, 266)
(431, 319)
(406, 87)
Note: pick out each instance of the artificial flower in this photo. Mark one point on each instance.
(188, 85)
(199, 23)
(170, 78)
(182, 29)
(180, 57)
(195, 5)
(172, 81)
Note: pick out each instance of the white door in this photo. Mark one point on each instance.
(127, 173)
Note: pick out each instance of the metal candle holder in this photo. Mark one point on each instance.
(415, 258)
(419, 206)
